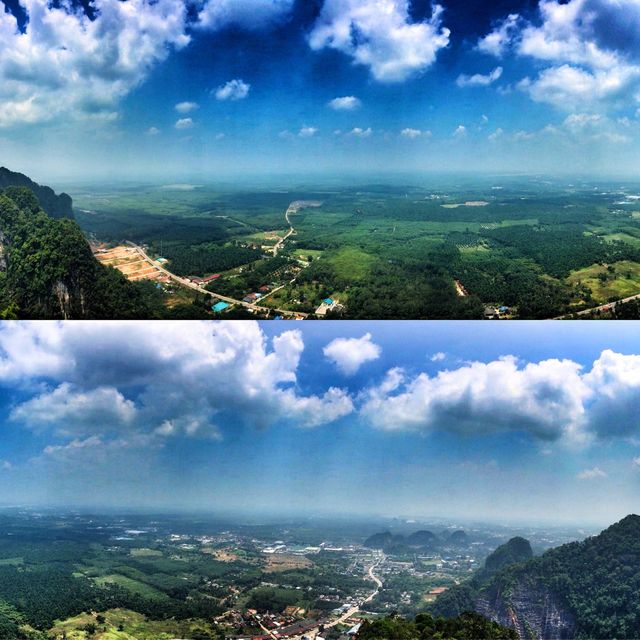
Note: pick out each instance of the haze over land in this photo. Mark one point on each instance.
(279, 86)
(463, 420)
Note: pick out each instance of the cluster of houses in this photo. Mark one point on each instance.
(497, 313)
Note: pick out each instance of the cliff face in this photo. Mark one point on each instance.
(530, 608)
(585, 590)
(56, 206)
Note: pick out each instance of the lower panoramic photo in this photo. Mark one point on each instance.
(369, 481)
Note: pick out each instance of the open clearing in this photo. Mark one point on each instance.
(285, 562)
(134, 586)
(611, 282)
(222, 555)
(146, 553)
(129, 262)
(351, 263)
(123, 624)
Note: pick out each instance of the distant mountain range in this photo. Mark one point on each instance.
(423, 539)
(580, 591)
(57, 206)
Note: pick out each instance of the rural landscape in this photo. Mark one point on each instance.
(78, 576)
(492, 248)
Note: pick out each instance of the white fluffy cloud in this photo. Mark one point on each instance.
(411, 133)
(499, 40)
(381, 36)
(66, 64)
(615, 379)
(248, 14)
(307, 132)
(233, 90)
(346, 103)
(132, 384)
(70, 411)
(359, 132)
(591, 47)
(110, 379)
(184, 123)
(552, 399)
(540, 398)
(349, 354)
(186, 107)
(478, 79)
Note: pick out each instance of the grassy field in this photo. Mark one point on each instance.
(146, 553)
(122, 624)
(351, 263)
(612, 282)
(135, 586)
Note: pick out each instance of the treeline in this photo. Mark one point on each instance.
(205, 259)
(561, 249)
(468, 626)
(153, 229)
(514, 282)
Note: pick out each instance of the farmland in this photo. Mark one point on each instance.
(534, 246)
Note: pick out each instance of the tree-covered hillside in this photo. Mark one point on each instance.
(57, 206)
(584, 590)
(47, 269)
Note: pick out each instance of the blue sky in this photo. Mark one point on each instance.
(526, 421)
(207, 88)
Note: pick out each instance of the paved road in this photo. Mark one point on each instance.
(191, 285)
(345, 616)
(603, 307)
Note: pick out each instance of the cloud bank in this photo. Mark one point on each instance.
(381, 36)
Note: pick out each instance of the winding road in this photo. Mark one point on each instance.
(313, 633)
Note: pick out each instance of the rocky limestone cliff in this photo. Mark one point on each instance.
(531, 609)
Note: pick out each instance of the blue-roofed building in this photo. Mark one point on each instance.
(219, 307)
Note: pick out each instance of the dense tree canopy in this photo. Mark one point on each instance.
(468, 626)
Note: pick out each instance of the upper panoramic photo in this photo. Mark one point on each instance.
(312, 159)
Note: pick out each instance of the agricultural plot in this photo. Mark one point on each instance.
(609, 282)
